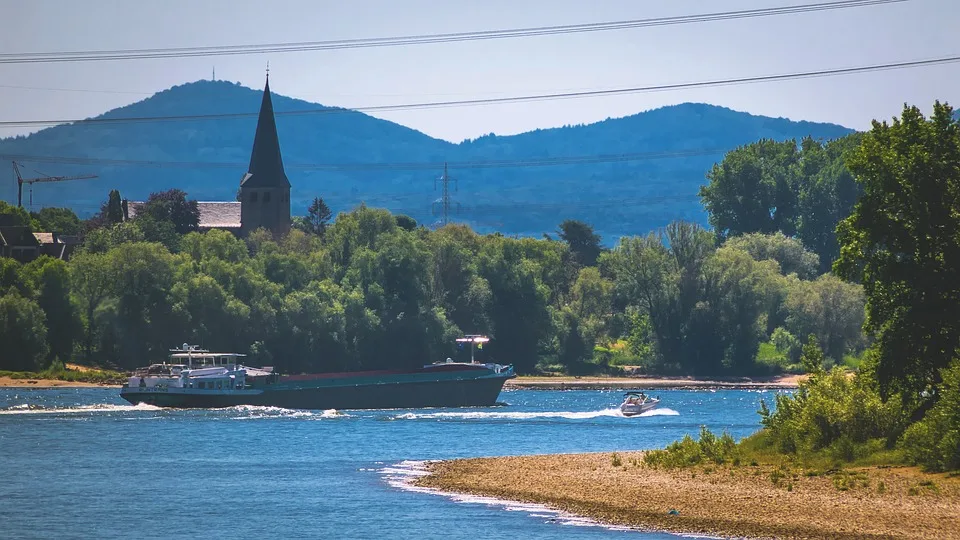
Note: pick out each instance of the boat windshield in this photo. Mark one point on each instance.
(196, 359)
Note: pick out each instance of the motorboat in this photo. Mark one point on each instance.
(635, 403)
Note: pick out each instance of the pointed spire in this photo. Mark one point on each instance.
(266, 165)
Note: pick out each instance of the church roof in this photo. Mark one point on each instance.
(266, 165)
(213, 215)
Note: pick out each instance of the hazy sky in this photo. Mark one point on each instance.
(913, 30)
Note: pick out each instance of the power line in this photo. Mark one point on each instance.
(393, 41)
(445, 201)
(389, 166)
(512, 99)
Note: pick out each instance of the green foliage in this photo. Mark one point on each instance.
(317, 218)
(56, 220)
(788, 252)
(23, 333)
(50, 281)
(934, 442)
(583, 241)
(709, 449)
(374, 293)
(797, 190)
(902, 243)
(830, 309)
(114, 207)
(102, 239)
(168, 207)
(832, 411)
(11, 215)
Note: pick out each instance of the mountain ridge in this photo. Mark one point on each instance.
(669, 150)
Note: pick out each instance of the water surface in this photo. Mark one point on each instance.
(81, 463)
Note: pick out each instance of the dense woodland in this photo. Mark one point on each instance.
(375, 290)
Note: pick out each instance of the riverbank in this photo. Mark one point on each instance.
(527, 382)
(649, 382)
(752, 501)
(71, 375)
(8, 382)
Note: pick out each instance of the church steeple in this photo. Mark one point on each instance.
(264, 189)
(266, 165)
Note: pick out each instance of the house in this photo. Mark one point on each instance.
(19, 243)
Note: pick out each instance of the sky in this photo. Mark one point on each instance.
(911, 30)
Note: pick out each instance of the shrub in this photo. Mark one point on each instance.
(832, 410)
(934, 442)
(686, 452)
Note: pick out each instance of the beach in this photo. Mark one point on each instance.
(8, 382)
(751, 501)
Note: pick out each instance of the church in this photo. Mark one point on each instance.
(264, 196)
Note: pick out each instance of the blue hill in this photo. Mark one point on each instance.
(665, 154)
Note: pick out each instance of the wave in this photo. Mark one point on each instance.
(402, 475)
(25, 408)
(518, 415)
(254, 412)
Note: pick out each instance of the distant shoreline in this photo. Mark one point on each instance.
(653, 382)
(7, 382)
(746, 501)
(535, 383)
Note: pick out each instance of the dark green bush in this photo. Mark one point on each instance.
(934, 442)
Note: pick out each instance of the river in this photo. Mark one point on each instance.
(81, 463)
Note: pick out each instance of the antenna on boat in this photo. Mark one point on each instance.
(475, 341)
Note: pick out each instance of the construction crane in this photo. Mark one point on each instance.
(30, 181)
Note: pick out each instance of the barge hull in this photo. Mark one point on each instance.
(473, 392)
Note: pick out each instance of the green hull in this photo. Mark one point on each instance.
(470, 387)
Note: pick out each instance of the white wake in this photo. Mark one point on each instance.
(518, 415)
(98, 408)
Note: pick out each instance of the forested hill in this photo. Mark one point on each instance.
(668, 151)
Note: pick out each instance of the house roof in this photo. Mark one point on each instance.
(213, 214)
(266, 164)
(44, 237)
(17, 236)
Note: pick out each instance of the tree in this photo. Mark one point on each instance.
(23, 333)
(753, 190)
(583, 242)
(768, 187)
(171, 206)
(102, 239)
(788, 252)
(903, 243)
(317, 218)
(114, 207)
(12, 216)
(92, 277)
(829, 309)
(50, 280)
(58, 220)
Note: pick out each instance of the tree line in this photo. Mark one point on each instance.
(375, 290)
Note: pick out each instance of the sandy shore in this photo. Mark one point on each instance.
(7, 382)
(742, 501)
(644, 382)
